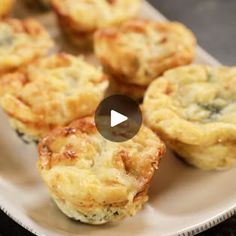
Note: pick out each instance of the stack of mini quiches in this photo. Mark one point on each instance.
(41, 92)
(132, 51)
(191, 107)
(52, 100)
(91, 179)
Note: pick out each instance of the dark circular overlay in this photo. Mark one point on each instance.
(125, 130)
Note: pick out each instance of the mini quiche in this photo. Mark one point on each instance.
(51, 92)
(80, 19)
(140, 50)
(193, 108)
(94, 180)
(21, 42)
(5, 7)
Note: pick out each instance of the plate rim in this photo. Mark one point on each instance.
(207, 224)
(189, 231)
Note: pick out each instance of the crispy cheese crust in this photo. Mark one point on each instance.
(21, 42)
(140, 50)
(194, 109)
(51, 92)
(80, 19)
(5, 7)
(94, 180)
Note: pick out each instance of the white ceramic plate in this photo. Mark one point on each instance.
(183, 200)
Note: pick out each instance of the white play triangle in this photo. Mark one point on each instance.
(117, 118)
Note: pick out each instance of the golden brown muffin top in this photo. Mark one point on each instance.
(5, 7)
(194, 104)
(140, 50)
(93, 14)
(21, 41)
(52, 92)
(94, 170)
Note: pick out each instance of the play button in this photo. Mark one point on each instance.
(118, 118)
